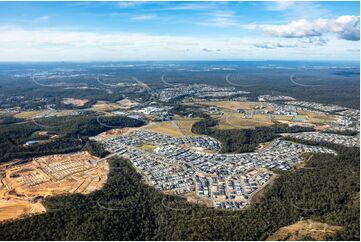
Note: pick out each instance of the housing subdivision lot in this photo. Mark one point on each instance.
(141, 137)
(344, 140)
(25, 183)
(177, 166)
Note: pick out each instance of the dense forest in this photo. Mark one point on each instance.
(244, 140)
(325, 190)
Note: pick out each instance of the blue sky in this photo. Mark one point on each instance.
(87, 31)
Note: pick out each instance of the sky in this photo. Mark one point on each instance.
(116, 31)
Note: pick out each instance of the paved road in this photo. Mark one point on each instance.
(299, 84)
(234, 84)
(165, 82)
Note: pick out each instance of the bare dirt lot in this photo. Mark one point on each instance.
(46, 176)
(114, 133)
(12, 209)
(127, 103)
(192, 198)
(304, 229)
(75, 102)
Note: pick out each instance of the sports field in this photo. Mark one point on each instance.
(148, 147)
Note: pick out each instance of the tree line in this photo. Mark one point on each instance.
(243, 140)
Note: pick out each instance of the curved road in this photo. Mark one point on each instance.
(299, 84)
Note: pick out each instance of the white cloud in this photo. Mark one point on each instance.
(211, 50)
(222, 14)
(279, 5)
(345, 27)
(222, 19)
(298, 9)
(128, 4)
(42, 18)
(294, 43)
(272, 45)
(143, 17)
(223, 22)
(188, 6)
(319, 41)
(51, 44)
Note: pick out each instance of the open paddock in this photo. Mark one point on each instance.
(231, 120)
(232, 104)
(186, 124)
(167, 127)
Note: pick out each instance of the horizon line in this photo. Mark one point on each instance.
(198, 60)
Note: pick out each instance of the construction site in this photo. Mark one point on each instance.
(24, 184)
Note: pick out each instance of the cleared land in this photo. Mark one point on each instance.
(304, 229)
(232, 120)
(12, 209)
(148, 147)
(168, 128)
(114, 133)
(192, 198)
(127, 103)
(46, 113)
(318, 118)
(27, 114)
(23, 185)
(186, 124)
(103, 106)
(75, 102)
(282, 117)
(232, 104)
